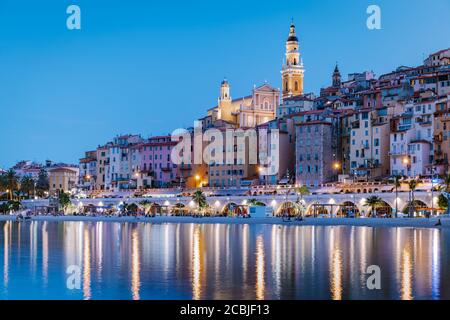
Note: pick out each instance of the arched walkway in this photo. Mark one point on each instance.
(348, 210)
(233, 209)
(416, 208)
(317, 209)
(179, 209)
(383, 210)
(287, 208)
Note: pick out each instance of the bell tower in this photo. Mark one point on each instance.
(292, 71)
(336, 78)
(224, 102)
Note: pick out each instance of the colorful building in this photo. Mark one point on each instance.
(62, 178)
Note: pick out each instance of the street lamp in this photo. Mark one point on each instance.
(337, 167)
(261, 170)
(406, 162)
(197, 178)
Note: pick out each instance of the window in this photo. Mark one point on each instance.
(296, 82)
(377, 142)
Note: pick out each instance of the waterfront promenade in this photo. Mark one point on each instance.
(330, 203)
(361, 222)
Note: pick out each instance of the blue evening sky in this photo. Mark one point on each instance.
(152, 66)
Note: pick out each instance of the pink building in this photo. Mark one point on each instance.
(156, 168)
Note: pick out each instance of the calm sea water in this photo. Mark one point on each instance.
(191, 261)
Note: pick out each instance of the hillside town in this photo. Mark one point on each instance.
(360, 130)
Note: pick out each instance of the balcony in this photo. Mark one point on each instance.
(185, 168)
(356, 124)
(424, 122)
(404, 127)
(166, 168)
(398, 153)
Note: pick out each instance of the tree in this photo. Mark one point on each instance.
(200, 199)
(373, 202)
(412, 184)
(27, 185)
(12, 182)
(4, 208)
(447, 183)
(131, 208)
(442, 202)
(42, 183)
(64, 200)
(3, 184)
(254, 202)
(146, 205)
(14, 205)
(303, 191)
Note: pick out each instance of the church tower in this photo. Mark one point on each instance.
(224, 102)
(292, 71)
(336, 79)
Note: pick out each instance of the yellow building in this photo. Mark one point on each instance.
(62, 179)
(292, 71)
(245, 112)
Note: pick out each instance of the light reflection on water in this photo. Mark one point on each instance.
(196, 261)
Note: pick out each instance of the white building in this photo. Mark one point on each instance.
(411, 138)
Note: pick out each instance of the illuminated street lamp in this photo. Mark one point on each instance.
(406, 162)
(197, 178)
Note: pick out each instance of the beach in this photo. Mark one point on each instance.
(362, 222)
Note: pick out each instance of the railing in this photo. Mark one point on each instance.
(356, 124)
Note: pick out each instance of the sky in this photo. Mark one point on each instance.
(150, 67)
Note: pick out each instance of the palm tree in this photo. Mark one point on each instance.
(254, 202)
(412, 184)
(447, 183)
(302, 191)
(12, 182)
(64, 201)
(27, 185)
(42, 183)
(132, 208)
(146, 205)
(397, 184)
(200, 199)
(373, 202)
(3, 183)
